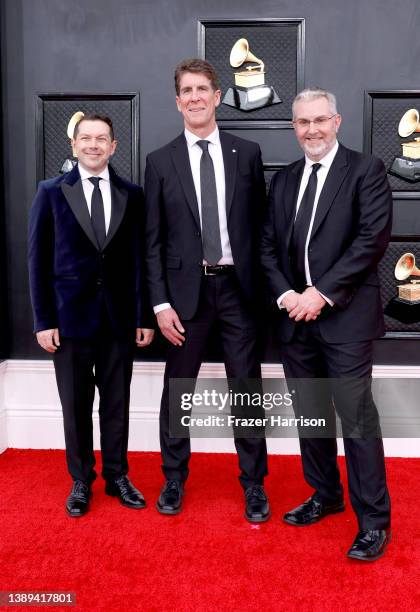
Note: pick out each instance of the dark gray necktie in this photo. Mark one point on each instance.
(97, 213)
(212, 243)
(301, 228)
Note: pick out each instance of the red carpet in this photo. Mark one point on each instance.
(208, 557)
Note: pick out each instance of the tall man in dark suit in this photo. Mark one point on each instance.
(328, 226)
(204, 197)
(89, 305)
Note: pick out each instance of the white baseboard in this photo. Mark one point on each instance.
(30, 412)
(3, 420)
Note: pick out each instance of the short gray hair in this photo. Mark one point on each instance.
(313, 93)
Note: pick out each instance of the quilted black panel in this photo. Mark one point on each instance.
(389, 282)
(386, 142)
(269, 171)
(276, 46)
(55, 145)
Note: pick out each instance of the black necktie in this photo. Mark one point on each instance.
(212, 243)
(301, 228)
(97, 213)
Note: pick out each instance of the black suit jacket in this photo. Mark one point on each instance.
(70, 277)
(350, 233)
(173, 234)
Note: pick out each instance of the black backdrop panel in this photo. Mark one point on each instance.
(269, 172)
(53, 114)
(389, 283)
(278, 43)
(129, 46)
(383, 113)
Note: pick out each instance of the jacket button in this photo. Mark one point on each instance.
(99, 282)
(199, 234)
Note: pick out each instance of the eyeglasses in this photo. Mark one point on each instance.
(317, 122)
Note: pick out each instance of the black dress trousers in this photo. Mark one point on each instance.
(222, 308)
(105, 360)
(345, 369)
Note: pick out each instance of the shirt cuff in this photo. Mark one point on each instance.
(160, 307)
(330, 302)
(283, 295)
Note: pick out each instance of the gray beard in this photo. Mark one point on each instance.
(320, 149)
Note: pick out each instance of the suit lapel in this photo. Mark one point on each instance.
(119, 197)
(335, 177)
(230, 162)
(73, 192)
(182, 165)
(290, 197)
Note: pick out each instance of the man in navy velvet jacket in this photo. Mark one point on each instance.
(85, 268)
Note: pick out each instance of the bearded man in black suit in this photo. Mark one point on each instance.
(328, 226)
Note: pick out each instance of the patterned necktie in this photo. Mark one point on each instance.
(301, 228)
(97, 213)
(212, 243)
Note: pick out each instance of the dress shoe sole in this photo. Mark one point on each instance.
(123, 503)
(262, 519)
(315, 520)
(373, 557)
(167, 511)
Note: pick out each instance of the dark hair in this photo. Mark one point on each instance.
(198, 66)
(95, 117)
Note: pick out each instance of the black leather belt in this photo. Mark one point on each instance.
(217, 270)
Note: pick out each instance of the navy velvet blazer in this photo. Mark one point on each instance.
(71, 279)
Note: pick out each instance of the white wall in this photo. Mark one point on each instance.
(3, 423)
(30, 413)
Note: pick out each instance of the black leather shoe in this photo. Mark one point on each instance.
(170, 498)
(257, 508)
(127, 493)
(370, 544)
(312, 511)
(77, 503)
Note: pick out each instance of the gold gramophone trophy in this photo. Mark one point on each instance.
(407, 166)
(69, 163)
(250, 91)
(406, 307)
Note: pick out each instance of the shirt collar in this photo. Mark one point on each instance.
(192, 139)
(85, 174)
(326, 161)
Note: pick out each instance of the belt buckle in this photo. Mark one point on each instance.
(206, 273)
